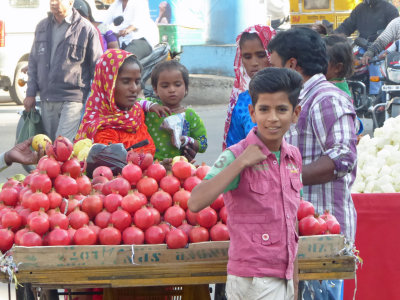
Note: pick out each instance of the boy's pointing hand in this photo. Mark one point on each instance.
(251, 156)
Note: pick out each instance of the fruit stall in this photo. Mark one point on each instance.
(127, 224)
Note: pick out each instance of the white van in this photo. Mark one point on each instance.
(18, 20)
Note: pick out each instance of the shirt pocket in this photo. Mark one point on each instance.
(296, 184)
(260, 187)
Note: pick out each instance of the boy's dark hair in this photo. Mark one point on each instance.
(169, 65)
(339, 51)
(303, 44)
(273, 80)
(132, 59)
(248, 36)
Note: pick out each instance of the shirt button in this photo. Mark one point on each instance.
(265, 237)
(274, 162)
(287, 217)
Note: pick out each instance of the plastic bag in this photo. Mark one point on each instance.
(112, 156)
(32, 125)
(174, 125)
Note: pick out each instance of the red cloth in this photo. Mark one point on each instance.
(378, 240)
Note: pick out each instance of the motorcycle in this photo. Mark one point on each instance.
(359, 85)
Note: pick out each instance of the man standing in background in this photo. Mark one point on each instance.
(61, 67)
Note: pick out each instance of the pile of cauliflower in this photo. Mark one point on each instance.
(378, 168)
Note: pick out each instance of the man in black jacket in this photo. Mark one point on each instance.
(61, 67)
(368, 18)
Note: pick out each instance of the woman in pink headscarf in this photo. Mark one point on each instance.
(251, 56)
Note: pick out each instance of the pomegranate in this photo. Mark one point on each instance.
(85, 236)
(37, 201)
(72, 167)
(112, 202)
(31, 239)
(218, 203)
(143, 218)
(118, 185)
(41, 182)
(186, 227)
(120, 219)
(103, 171)
(333, 226)
(176, 239)
(110, 236)
(143, 160)
(147, 186)
(11, 220)
(199, 234)
(322, 223)
(18, 235)
(174, 215)
(6, 239)
(58, 237)
(132, 202)
(58, 219)
(67, 206)
(161, 201)
(132, 173)
(219, 232)
(65, 185)
(182, 169)
(55, 199)
(39, 224)
(84, 185)
(92, 205)
(182, 197)
(61, 149)
(305, 209)
(156, 171)
(202, 171)
(223, 214)
(78, 218)
(50, 166)
(155, 213)
(309, 225)
(170, 184)
(133, 236)
(191, 182)
(191, 217)
(102, 218)
(9, 196)
(207, 217)
(154, 235)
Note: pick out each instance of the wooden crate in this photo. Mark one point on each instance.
(155, 265)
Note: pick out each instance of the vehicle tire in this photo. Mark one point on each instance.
(18, 93)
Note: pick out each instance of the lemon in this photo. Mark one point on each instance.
(178, 158)
(79, 145)
(40, 139)
(83, 154)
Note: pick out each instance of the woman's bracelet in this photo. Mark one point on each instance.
(187, 140)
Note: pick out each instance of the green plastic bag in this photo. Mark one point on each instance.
(32, 125)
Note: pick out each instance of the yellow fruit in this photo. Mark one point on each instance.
(79, 145)
(19, 177)
(82, 155)
(178, 158)
(40, 139)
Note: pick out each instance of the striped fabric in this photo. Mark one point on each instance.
(326, 127)
(390, 34)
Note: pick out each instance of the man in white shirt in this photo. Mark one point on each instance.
(137, 33)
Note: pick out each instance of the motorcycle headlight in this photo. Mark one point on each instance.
(393, 75)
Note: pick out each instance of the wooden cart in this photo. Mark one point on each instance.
(205, 263)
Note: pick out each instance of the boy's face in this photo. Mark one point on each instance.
(273, 114)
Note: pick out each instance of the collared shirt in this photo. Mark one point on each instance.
(326, 127)
(58, 33)
(262, 213)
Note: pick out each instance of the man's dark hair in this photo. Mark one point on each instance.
(339, 51)
(303, 44)
(273, 80)
(169, 65)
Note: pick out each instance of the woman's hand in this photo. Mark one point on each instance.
(161, 111)
(190, 150)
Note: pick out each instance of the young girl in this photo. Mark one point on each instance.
(340, 66)
(170, 81)
(112, 114)
(251, 56)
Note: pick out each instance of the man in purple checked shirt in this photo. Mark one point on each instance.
(326, 137)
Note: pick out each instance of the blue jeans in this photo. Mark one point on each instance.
(325, 290)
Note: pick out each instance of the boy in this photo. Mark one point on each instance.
(260, 176)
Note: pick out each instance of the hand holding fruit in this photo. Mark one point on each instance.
(23, 154)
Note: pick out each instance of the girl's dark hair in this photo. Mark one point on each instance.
(248, 36)
(320, 28)
(169, 65)
(132, 59)
(167, 13)
(303, 44)
(339, 51)
(273, 80)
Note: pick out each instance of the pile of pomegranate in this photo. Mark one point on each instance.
(311, 223)
(58, 205)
